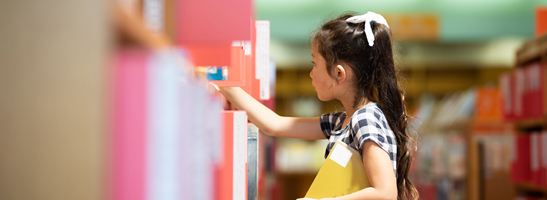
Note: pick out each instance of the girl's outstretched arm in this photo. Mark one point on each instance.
(271, 123)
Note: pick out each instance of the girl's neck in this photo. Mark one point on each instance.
(350, 109)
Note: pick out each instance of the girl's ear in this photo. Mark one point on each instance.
(341, 74)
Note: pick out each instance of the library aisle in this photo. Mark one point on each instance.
(113, 99)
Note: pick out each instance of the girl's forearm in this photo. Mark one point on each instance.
(260, 115)
(271, 123)
(368, 193)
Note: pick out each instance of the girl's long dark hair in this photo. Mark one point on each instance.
(375, 79)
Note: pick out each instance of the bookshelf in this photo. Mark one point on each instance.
(455, 134)
(231, 176)
(530, 188)
(533, 50)
(525, 125)
(524, 101)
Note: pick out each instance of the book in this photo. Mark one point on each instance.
(129, 125)
(543, 159)
(165, 130)
(236, 70)
(520, 159)
(344, 167)
(231, 173)
(252, 161)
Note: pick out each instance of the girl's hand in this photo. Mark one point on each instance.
(214, 87)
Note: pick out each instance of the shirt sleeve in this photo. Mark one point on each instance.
(328, 122)
(368, 125)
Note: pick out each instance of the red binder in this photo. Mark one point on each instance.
(519, 85)
(534, 95)
(527, 93)
(520, 159)
(535, 158)
(534, 90)
(539, 96)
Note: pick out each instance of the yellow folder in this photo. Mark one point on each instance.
(342, 173)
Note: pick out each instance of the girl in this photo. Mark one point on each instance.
(353, 62)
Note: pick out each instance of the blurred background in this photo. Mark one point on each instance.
(450, 55)
(473, 72)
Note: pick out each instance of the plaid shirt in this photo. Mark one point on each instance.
(367, 123)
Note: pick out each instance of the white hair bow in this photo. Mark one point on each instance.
(368, 18)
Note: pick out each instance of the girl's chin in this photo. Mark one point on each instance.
(322, 99)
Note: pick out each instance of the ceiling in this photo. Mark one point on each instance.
(480, 30)
(460, 20)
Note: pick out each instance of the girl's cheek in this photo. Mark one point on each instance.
(326, 83)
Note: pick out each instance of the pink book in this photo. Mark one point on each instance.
(129, 125)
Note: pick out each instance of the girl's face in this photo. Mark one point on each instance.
(321, 80)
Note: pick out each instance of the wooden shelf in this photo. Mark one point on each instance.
(527, 187)
(533, 50)
(131, 29)
(497, 185)
(529, 124)
(490, 126)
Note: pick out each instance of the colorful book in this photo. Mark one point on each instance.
(344, 167)
(129, 125)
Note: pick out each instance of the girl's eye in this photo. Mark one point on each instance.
(313, 63)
